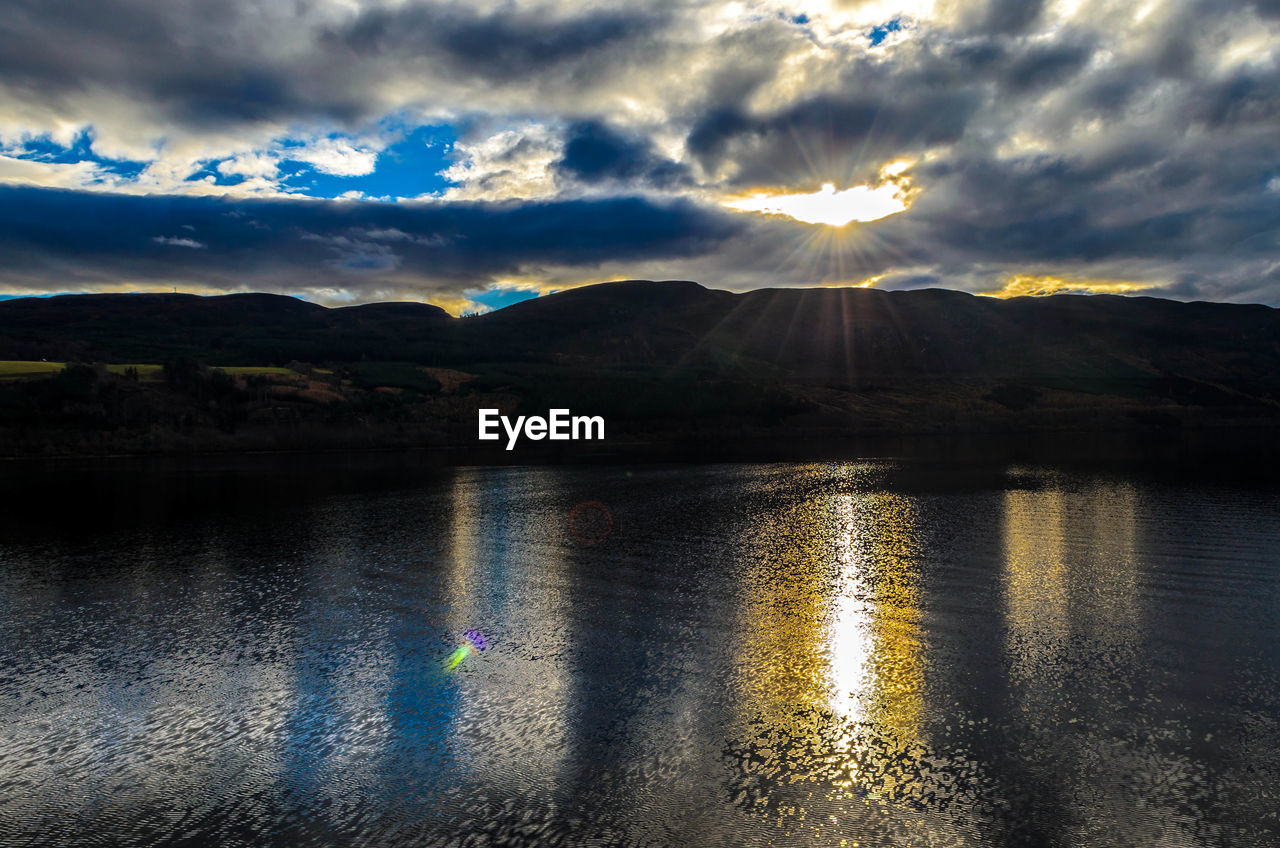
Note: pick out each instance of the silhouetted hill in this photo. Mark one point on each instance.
(663, 358)
(155, 327)
(387, 314)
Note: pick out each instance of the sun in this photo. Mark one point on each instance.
(828, 206)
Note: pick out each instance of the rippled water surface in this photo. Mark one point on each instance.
(864, 654)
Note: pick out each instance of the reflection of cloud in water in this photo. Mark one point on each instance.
(509, 706)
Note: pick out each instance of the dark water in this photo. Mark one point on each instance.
(863, 654)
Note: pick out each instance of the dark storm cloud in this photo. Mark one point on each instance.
(1268, 8)
(195, 61)
(1006, 66)
(595, 153)
(1249, 96)
(884, 110)
(1110, 91)
(209, 64)
(499, 45)
(1054, 209)
(1005, 16)
(829, 130)
(1045, 65)
(46, 233)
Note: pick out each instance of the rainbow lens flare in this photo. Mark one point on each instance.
(475, 641)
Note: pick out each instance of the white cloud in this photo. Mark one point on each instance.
(49, 174)
(252, 164)
(511, 163)
(337, 157)
(174, 241)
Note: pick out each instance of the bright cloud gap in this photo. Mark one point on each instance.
(828, 206)
(1027, 285)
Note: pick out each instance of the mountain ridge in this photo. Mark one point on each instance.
(668, 359)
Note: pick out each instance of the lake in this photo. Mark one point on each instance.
(879, 652)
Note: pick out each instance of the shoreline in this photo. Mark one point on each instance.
(1257, 443)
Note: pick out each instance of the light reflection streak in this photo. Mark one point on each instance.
(506, 597)
(875, 664)
(832, 626)
(1070, 584)
(1035, 574)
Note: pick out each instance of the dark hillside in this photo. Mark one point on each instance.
(664, 360)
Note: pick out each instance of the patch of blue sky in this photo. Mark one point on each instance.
(409, 167)
(41, 294)
(496, 297)
(210, 169)
(879, 33)
(45, 149)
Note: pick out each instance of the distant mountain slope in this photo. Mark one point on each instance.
(233, 329)
(658, 355)
(828, 335)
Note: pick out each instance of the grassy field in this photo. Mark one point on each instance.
(242, 370)
(15, 369)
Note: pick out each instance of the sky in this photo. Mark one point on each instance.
(472, 154)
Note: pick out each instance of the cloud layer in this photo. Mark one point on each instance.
(349, 151)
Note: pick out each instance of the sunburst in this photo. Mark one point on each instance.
(828, 206)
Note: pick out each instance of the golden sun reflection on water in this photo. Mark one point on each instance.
(832, 616)
(1035, 576)
(875, 672)
(1069, 560)
(1071, 584)
(832, 659)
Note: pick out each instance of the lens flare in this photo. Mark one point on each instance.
(474, 640)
